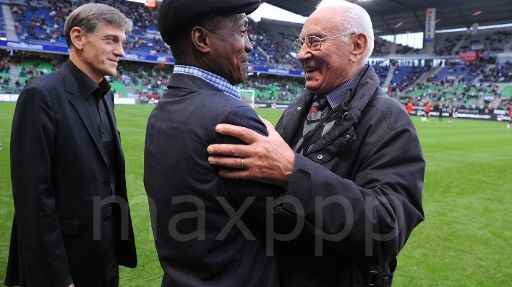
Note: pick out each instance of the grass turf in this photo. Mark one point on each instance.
(465, 240)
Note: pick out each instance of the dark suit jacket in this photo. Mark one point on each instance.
(58, 172)
(186, 194)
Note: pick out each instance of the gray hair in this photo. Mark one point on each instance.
(354, 19)
(88, 16)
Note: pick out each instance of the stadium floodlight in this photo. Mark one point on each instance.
(151, 4)
(270, 11)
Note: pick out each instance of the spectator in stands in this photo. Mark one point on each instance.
(72, 223)
(343, 144)
(211, 45)
(509, 108)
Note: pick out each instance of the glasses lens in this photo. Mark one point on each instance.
(314, 43)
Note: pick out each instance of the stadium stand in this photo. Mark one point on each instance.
(481, 83)
(493, 41)
(275, 39)
(404, 76)
(274, 90)
(3, 34)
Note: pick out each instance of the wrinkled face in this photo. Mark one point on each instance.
(102, 50)
(230, 48)
(328, 67)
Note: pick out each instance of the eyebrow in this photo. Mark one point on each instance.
(317, 34)
(114, 37)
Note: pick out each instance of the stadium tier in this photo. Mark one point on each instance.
(401, 69)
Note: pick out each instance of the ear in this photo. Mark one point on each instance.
(78, 37)
(200, 39)
(359, 46)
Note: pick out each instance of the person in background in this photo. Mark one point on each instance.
(409, 107)
(509, 108)
(427, 109)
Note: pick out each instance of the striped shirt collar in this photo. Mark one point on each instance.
(216, 80)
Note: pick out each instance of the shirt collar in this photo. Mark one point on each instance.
(214, 79)
(102, 89)
(336, 96)
(87, 86)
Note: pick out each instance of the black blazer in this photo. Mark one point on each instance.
(58, 171)
(186, 194)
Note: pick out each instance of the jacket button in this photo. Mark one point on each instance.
(320, 156)
(299, 108)
(278, 209)
(347, 136)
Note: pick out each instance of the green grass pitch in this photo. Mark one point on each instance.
(466, 239)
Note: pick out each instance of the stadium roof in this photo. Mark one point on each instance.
(400, 16)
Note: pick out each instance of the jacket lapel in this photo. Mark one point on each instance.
(293, 119)
(80, 105)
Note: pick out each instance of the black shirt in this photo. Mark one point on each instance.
(97, 110)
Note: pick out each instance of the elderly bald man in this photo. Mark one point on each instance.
(345, 152)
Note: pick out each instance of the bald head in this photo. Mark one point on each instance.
(347, 17)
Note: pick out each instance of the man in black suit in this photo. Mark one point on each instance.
(199, 238)
(72, 223)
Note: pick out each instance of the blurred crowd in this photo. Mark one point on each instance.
(455, 83)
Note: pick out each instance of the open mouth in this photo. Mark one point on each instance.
(309, 70)
(310, 67)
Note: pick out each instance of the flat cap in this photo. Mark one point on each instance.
(174, 14)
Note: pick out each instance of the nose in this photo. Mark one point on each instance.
(119, 50)
(303, 54)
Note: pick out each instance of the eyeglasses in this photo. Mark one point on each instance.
(314, 43)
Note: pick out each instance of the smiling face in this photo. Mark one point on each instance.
(331, 66)
(99, 52)
(230, 49)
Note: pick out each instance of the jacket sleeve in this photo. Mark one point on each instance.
(43, 260)
(377, 210)
(239, 190)
(246, 117)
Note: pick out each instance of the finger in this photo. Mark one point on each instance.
(226, 162)
(244, 134)
(231, 150)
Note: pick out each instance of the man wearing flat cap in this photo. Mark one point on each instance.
(196, 215)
